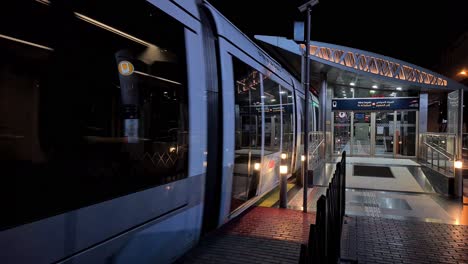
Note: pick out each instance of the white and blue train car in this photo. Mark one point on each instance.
(127, 132)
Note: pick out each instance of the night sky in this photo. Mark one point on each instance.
(414, 31)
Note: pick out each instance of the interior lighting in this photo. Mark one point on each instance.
(458, 164)
(352, 84)
(375, 86)
(371, 91)
(399, 88)
(463, 72)
(284, 155)
(302, 157)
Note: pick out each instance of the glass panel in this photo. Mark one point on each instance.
(88, 114)
(406, 133)
(288, 125)
(384, 126)
(341, 132)
(248, 124)
(272, 116)
(361, 126)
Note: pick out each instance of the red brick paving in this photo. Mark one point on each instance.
(262, 235)
(274, 223)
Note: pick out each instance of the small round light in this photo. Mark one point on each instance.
(257, 166)
(302, 158)
(284, 155)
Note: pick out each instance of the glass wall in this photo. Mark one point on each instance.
(88, 114)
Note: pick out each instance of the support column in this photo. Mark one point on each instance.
(422, 119)
(323, 111)
(423, 111)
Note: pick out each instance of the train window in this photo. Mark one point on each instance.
(248, 135)
(287, 106)
(93, 104)
(272, 116)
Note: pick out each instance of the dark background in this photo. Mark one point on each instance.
(414, 31)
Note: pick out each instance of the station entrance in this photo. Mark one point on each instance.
(375, 134)
(360, 130)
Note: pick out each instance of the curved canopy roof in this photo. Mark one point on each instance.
(350, 64)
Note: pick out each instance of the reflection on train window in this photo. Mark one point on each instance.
(92, 106)
(248, 139)
(272, 116)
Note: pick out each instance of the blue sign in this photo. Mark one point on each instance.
(375, 104)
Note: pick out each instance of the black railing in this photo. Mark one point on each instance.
(324, 244)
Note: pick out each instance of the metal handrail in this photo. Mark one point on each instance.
(438, 148)
(438, 151)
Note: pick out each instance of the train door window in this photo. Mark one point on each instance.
(287, 108)
(93, 104)
(316, 117)
(248, 133)
(300, 125)
(271, 97)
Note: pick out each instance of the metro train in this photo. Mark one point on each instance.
(129, 131)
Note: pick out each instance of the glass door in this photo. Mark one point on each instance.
(405, 136)
(383, 125)
(361, 133)
(341, 132)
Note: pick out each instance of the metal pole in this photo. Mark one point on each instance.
(307, 106)
(459, 151)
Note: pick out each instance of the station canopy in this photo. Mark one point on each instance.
(344, 65)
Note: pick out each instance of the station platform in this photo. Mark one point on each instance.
(398, 219)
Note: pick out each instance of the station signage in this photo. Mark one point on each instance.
(371, 104)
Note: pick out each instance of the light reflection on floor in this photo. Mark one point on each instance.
(424, 205)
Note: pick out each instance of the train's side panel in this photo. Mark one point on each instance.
(152, 226)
